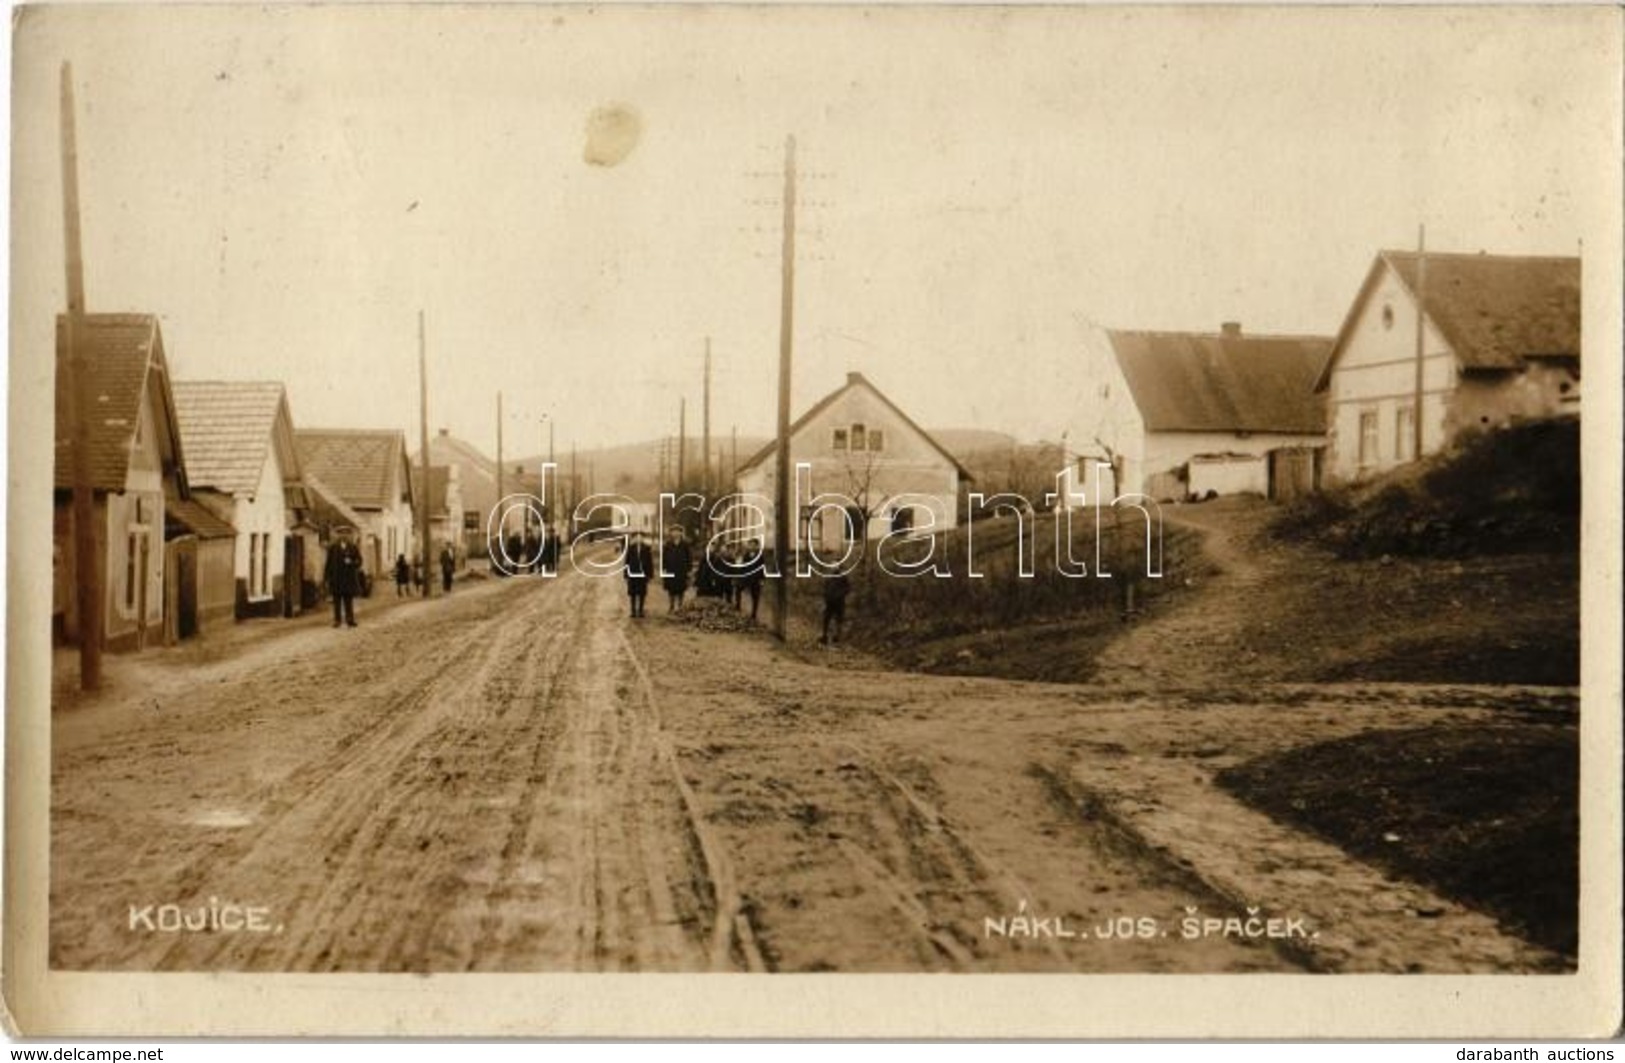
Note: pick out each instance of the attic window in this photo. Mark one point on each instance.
(1387, 316)
(860, 438)
(877, 440)
(839, 439)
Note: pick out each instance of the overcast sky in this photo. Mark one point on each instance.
(287, 187)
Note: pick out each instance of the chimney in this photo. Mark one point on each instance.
(444, 432)
(854, 377)
(1230, 330)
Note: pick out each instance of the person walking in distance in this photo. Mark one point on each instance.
(836, 587)
(675, 563)
(448, 565)
(638, 565)
(403, 575)
(344, 575)
(752, 566)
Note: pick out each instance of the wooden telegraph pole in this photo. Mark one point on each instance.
(682, 445)
(502, 531)
(423, 427)
(705, 422)
(784, 512)
(87, 565)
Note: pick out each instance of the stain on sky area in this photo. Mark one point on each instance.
(612, 133)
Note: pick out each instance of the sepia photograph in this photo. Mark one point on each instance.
(811, 491)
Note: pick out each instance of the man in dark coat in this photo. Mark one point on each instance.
(752, 565)
(448, 565)
(344, 576)
(676, 562)
(639, 566)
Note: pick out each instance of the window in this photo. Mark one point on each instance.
(860, 439)
(1387, 316)
(1404, 433)
(130, 550)
(902, 519)
(877, 440)
(839, 440)
(265, 563)
(1368, 437)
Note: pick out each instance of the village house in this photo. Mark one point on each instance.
(1500, 343)
(134, 456)
(476, 485)
(444, 499)
(1188, 415)
(242, 466)
(365, 470)
(890, 474)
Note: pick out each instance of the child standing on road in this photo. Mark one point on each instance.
(836, 588)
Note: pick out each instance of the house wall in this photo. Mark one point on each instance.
(216, 580)
(263, 514)
(906, 465)
(1376, 375)
(1105, 421)
(1165, 452)
(135, 533)
(1494, 400)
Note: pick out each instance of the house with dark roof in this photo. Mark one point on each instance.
(1193, 414)
(364, 469)
(1500, 343)
(860, 449)
(242, 465)
(136, 469)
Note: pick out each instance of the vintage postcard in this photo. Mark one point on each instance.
(687, 520)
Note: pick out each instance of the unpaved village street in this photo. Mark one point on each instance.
(520, 778)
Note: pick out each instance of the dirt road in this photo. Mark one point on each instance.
(519, 778)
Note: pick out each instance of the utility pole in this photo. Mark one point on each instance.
(1421, 325)
(87, 565)
(428, 484)
(502, 531)
(783, 511)
(575, 489)
(682, 445)
(705, 421)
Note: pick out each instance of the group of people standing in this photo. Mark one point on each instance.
(531, 552)
(407, 574)
(345, 574)
(733, 571)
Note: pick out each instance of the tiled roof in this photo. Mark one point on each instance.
(122, 353)
(226, 428)
(1209, 382)
(327, 509)
(189, 516)
(1494, 310)
(356, 463)
(1497, 310)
